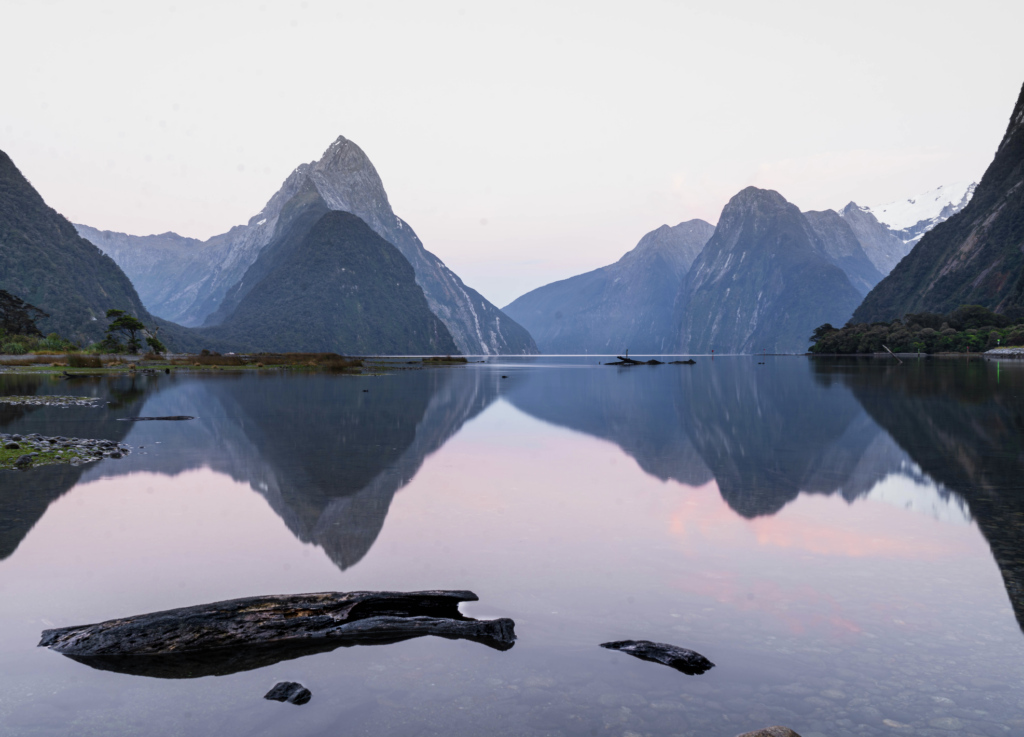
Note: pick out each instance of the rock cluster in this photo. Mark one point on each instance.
(51, 400)
(40, 450)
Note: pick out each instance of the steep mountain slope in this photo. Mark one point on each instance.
(47, 263)
(976, 256)
(347, 181)
(911, 218)
(763, 282)
(838, 241)
(625, 305)
(883, 247)
(168, 270)
(332, 284)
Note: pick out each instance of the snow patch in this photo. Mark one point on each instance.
(904, 214)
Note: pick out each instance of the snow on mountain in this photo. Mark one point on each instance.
(913, 217)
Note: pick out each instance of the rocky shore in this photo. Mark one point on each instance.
(25, 451)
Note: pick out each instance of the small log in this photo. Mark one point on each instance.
(144, 419)
(243, 634)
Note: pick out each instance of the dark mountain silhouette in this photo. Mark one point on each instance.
(327, 283)
(46, 263)
(974, 257)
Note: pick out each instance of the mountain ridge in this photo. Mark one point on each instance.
(625, 305)
(975, 256)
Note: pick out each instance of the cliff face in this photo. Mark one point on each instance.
(974, 257)
(627, 305)
(46, 263)
(201, 275)
(762, 282)
(333, 285)
(838, 241)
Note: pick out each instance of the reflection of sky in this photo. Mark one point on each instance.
(561, 531)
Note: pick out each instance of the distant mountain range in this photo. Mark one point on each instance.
(188, 281)
(764, 284)
(973, 257)
(619, 306)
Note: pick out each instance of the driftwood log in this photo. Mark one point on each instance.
(685, 661)
(143, 419)
(244, 634)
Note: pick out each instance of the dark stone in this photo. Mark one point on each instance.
(683, 660)
(23, 462)
(243, 634)
(654, 362)
(293, 693)
(12, 446)
(115, 454)
(504, 377)
(141, 419)
(687, 362)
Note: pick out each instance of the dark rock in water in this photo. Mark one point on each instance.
(243, 634)
(683, 660)
(771, 732)
(688, 362)
(293, 693)
(654, 362)
(142, 419)
(23, 461)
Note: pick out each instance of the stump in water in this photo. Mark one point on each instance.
(243, 634)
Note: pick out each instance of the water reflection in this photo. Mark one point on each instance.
(962, 422)
(327, 455)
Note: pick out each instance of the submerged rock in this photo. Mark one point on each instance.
(683, 660)
(293, 693)
(243, 634)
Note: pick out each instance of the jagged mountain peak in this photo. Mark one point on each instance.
(914, 216)
(678, 245)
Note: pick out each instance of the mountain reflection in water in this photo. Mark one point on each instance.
(329, 457)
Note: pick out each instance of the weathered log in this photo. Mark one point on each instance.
(683, 660)
(243, 634)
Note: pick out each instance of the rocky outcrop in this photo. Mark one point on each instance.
(293, 693)
(627, 305)
(838, 241)
(974, 257)
(883, 247)
(762, 283)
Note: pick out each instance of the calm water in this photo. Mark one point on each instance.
(844, 539)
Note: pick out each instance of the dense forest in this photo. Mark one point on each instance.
(970, 328)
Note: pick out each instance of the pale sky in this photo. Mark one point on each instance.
(524, 141)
